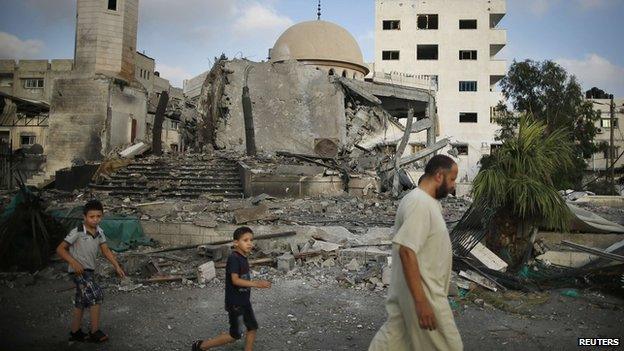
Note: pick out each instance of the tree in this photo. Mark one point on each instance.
(516, 186)
(549, 94)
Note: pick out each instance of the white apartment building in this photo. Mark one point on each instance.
(600, 160)
(453, 42)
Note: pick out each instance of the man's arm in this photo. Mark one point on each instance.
(63, 251)
(426, 317)
(110, 256)
(244, 283)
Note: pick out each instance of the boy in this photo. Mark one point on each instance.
(80, 249)
(237, 292)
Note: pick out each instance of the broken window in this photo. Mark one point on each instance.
(468, 24)
(606, 123)
(112, 5)
(467, 54)
(391, 25)
(426, 52)
(6, 79)
(390, 55)
(427, 21)
(467, 117)
(462, 149)
(467, 85)
(27, 140)
(332, 72)
(33, 83)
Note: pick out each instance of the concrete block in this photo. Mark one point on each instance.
(150, 228)
(215, 252)
(206, 272)
(189, 229)
(170, 228)
(364, 254)
(286, 262)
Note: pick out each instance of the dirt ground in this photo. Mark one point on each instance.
(299, 313)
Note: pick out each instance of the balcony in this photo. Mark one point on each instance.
(497, 6)
(498, 67)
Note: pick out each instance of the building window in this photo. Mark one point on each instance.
(332, 72)
(427, 21)
(606, 122)
(33, 83)
(467, 85)
(462, 149)
(391, 25)
(6, 79)
(467, 117)
(390, 55)
(467, 54)
(112, 5)
(27, 140)
(426, 52)
(615, 151)
(495, 114)
(468, 24)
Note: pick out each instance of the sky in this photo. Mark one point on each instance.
(184, 36)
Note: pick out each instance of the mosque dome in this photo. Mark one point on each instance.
(322, 44)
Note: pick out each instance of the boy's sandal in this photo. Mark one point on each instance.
(98, 336)
(196, 345)
(78, 336)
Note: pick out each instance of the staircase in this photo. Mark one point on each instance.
(184, 178)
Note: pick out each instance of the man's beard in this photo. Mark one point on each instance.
(443, 190)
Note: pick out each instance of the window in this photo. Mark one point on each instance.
(606, 122)
(462, 149)
(468, 24)
(6, 79)
(495, 114)
(112, 5)
(614, 150)
(33, 83)
(390, 55)
(27, 140)
(427, 21)
(467, 117)
(391, 25)
(426, 52)
(467, 54)
(467, 85)
(344, 73)
(332, 72)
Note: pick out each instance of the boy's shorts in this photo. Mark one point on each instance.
(88, 292)
(238, 316)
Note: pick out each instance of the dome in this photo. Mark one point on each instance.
(315, 41)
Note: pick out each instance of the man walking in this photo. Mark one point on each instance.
(419, 314)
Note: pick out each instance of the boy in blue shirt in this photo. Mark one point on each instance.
(238, 286)
(80, 249)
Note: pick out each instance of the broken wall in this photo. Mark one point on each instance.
(126, 105)
(294, 106)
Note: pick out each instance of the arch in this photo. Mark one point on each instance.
(353, 75)
(331, 72)
(344, 73)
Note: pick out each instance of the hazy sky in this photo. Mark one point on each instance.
(184, 36)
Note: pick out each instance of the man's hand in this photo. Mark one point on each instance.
(426, 317)
(120, 272)
(77, 267)
(263, 284)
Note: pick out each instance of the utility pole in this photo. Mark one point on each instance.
(611, 143)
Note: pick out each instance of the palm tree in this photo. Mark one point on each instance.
(515, 185)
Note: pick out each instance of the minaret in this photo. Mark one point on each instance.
(106, 35)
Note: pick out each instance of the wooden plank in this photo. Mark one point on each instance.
(479, 279)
